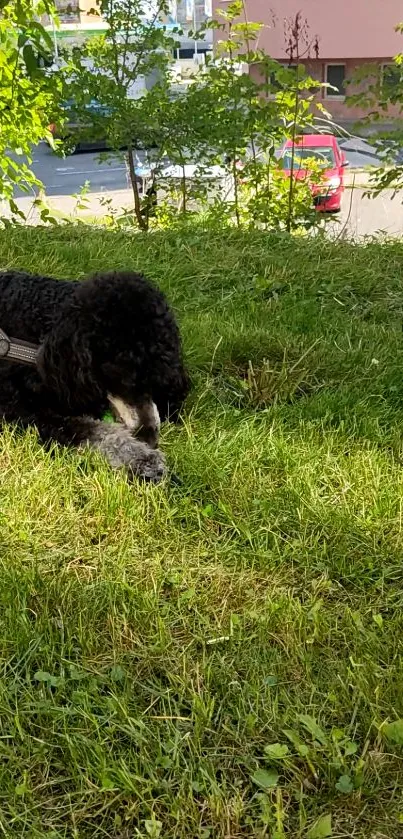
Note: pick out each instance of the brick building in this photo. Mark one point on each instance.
(348, 34)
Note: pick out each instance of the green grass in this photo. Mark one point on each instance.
(157, 643)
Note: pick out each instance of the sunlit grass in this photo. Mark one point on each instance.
(157, 641)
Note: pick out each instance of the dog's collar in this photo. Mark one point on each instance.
(12, 349)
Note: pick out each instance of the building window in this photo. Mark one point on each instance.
(183, 52)
(68, 12)
(335, 76)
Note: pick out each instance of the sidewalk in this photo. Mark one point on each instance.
(357, 177)
(97, 204)
(94, 204)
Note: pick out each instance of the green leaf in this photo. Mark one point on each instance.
(276, 751)
(21, 789)
(15, 209)
(321, 829)
(350, 748)
(393, 731)
(265, 778)
(106, 782)
(47, 678)
(22, 39)
(117, 673)
(189, 594)
(30, 59)
(312, 726)
(345, 784)
(153, 828)
(76, 674)
(42, 34)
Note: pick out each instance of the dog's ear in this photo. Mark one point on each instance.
(66, 366)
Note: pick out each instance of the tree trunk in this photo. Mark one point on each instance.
(292, 187)
(183, 184)
(236, 193)
(141, 221)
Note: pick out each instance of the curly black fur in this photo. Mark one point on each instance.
(110, 337)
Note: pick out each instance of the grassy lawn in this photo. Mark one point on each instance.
(223, 658)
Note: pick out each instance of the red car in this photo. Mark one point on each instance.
(326, 152)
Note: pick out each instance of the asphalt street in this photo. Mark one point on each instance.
(64, 177)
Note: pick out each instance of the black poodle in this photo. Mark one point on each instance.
(108, 342)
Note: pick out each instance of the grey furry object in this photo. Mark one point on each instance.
(117, 445)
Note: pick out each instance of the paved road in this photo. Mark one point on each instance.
(66, 176)
(63, 178)
(363, 217)
(359, 153)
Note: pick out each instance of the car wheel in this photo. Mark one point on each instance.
(70, 148)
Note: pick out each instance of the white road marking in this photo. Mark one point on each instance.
(69, 169)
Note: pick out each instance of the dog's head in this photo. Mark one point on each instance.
(116, 334)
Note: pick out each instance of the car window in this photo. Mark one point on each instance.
(323, 155)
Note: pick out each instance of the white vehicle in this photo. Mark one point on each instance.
(217, 180)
